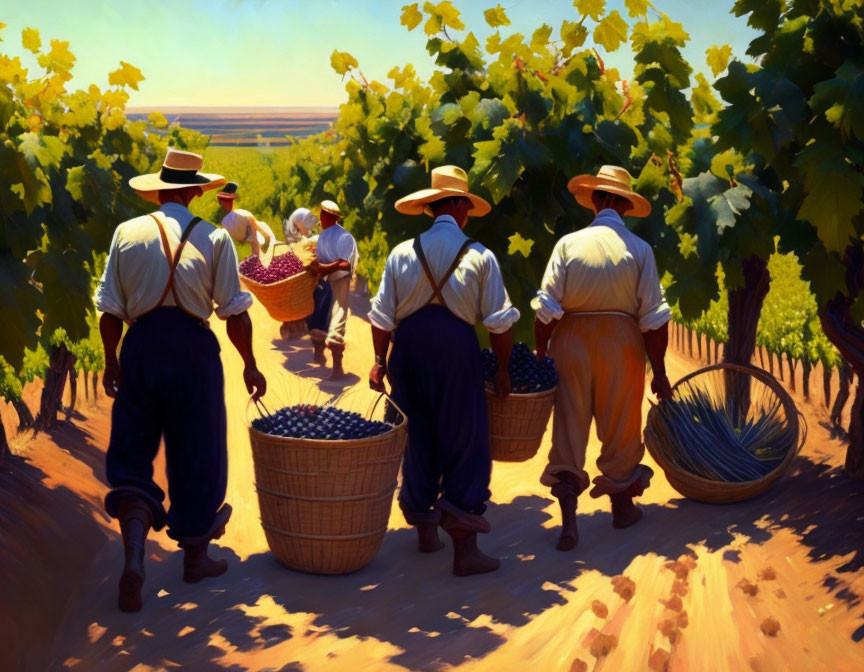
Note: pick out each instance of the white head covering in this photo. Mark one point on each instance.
(299, 225)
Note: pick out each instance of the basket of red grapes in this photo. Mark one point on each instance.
(517, 423)
(325, 478)
(284, 287)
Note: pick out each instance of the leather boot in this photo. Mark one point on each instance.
(336, 351)
(197, 565)
(318, 352)
(624, 512)
(427, 538)
(135, 522)
(567, 491)
(463, 528)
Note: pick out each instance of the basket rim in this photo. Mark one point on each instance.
(524, 395)
(254, 283)
(334, 443)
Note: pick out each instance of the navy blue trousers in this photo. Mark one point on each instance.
(436, 372)
(171, 385)
(323, 297)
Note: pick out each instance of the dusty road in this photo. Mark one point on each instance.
(692, 587)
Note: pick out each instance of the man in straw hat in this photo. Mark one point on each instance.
(434, 290)
(165, 271)
(336, 260)
(599, 311)
(242, 224)
(300, 228)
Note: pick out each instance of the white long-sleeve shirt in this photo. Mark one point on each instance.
(137, 269)
(239, 223)
(336, 244)
(474, 293)
(603, 267)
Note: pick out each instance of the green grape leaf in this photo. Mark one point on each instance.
(651, 180)
(637, 8)
(125, 75)
(519, 245)
(593, 8)
(764, 14)
(669, 58)
(30, 40)
(540, 37)
(342, 61)
(496, 16)
(411, 16)
(19, 302)
(841, 99)
(59, 59)
(611, 32)
(573, 34)
(717, 58)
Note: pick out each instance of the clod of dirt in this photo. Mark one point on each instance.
(669, 628)
(579, 665)
(659, 661)
(767, 574)
(748, 588)
(683, 620)
(682, 566)
(780, 593)
(770, 627)
(624, 587)
(603, 645)
(600, 610)
(673, 603)
(680, 588)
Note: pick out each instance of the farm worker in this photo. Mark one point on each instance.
(165, 271)
(599, 310)
(435, 288)
(300, 227)
(241, 224)
(337, 259)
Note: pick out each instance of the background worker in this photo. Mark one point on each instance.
(242, 224)
(300, 228)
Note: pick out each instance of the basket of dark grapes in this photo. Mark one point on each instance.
(517, 423)
(325, 479)
(284, 287)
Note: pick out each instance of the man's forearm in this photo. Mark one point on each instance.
(341, 265)
(381, 343)
(542, 334)
(240, 332)
(111, 331)
(502, 345)
(656, 342)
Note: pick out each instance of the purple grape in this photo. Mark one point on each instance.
(527, 375)
(283, 266)
(328, 423)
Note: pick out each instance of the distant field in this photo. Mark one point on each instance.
(247, 126)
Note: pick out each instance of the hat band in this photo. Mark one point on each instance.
(175, 176)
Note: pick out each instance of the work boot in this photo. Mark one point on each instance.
(427, 538)
(567, 491)
(624, 512)
(197, 565)
(135, 522)
(318, 352)
(463, 528)
(285, 331)
(336, 350)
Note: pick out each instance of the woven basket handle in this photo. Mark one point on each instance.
(259, 405)
(390, 399)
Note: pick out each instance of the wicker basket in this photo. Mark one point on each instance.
(287, 300)
(718, 492)
(517, 424)
(325, 504)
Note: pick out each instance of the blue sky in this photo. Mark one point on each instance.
(277, 52)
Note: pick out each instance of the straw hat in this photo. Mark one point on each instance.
(180, 169)
(447, 182)
(614, 180)
(230, 191)
(331, 207)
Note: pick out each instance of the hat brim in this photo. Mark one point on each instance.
(337, 213)
(417, 203)
(149, 186)
(227, 197)
(583, 186)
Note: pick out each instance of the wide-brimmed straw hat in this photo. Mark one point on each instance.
(447, 182)
(611, 179)
(180, 169)
(230, 191)
(331, 207)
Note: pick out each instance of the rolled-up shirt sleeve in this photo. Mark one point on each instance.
(383, 312)
(547, 303)
(496, 311)
(346, 250)
(229, 298)
(654, 312)
(109, 296)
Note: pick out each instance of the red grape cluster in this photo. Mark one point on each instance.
(283, 266)
(328, 423)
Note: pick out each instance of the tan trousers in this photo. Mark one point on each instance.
(339, 315)
(601, 367)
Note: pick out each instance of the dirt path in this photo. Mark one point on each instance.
(706, 579)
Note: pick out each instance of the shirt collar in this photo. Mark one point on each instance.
(176, 211)
(609, 217)
(441, 220)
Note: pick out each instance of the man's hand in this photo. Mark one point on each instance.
(660, 386)
(376, 377)
(314, 267)
(502, 384)
(540, 353)
(256, 384)
(111, 378)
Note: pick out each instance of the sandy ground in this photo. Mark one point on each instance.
(773, 583)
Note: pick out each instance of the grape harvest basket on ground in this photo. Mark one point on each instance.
(728, 434)
(288, 299)
(325, 503)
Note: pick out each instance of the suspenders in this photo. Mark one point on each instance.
(438, 286)
(173, 259)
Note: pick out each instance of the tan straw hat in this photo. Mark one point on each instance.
(331, 207)
(180, 169)
(611, 179)
(447, 182)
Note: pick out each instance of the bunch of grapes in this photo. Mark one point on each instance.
(283, 266)
(527, 375)
(328, 423)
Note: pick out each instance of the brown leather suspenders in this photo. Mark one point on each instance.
(173, 259)
(438, 286)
